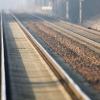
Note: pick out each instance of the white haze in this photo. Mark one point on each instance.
(13, 4)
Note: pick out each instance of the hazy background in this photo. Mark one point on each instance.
(90, 8)
(12, 4)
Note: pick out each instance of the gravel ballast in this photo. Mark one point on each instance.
(81, 58)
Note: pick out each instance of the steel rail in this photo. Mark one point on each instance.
(68, 80)
(3, 78)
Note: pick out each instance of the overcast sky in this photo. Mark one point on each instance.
(6, 4)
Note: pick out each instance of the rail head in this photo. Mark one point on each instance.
(80, 94)
(3, 78)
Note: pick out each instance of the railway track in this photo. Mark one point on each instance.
(72, 27)
(84, 36)
(87, 67)
(90, 35)
(31, 73)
